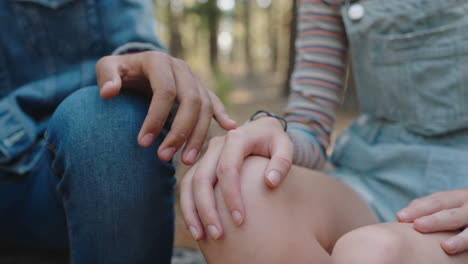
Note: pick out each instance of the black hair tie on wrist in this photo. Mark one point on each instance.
(266, 113)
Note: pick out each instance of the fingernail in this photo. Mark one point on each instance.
(452, 245)
(168, 153)
(107, 85)
(147, 139)
(237, 217)
(191, 155)
(274, 177)
(213, 231)
(194, 232)
(403, 216)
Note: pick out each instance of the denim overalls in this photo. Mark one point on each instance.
(411, 66)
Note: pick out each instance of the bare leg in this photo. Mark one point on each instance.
(393, 243)
(309, 219)
(297, 223)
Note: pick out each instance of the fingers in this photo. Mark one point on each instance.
(220, 114)
(200, 132)
(445, 220)
(187, 114)
(108, 76)
(204, 180)
(112, 71)
(444, 211)
(189, 209)
(456, 244)
(228, 171)
(430, 205)
(170, 79)
(164, 94)
(280, 162)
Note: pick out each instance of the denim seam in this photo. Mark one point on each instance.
(59, 175)
(51, 148)
(65, 209)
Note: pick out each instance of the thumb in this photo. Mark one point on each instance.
(108, 76)
(280, 162)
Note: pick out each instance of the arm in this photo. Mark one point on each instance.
(316, 81)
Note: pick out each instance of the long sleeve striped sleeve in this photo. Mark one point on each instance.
(316, 81)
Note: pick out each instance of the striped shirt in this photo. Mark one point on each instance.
(317, 80)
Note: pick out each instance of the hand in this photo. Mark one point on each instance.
(221, 166)
(444, 211)
(168, 80)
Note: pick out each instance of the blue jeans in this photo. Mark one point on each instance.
(95, 191)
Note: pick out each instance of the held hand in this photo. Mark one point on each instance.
(444, 211)
(168, 80)
(221, 166)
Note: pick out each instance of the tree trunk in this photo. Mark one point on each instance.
(273, 37)
(213, 24)
(247, 40)
(175, 38)
(292, 46)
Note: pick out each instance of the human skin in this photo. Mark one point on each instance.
(308, 218)
(167, 80)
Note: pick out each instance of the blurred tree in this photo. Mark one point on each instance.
(262, 34)
(247, 37)
(214, 15)
(210, 16)
(273, 36)
(175, 37)
(292, 46)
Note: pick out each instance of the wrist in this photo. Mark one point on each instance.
(270, 116)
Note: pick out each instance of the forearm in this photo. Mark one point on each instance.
(316, 81)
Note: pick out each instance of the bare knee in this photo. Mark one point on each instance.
(270, 233)
(371, 244)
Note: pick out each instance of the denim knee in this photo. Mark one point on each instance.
(93, 137)
(85, 118)
(118, 196)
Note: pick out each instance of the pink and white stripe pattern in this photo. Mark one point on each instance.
(316, 81)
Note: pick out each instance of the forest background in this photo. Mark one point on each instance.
(244, 51)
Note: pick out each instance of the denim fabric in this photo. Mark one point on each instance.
(48, 49)
(411, 65)
(410, 59)
(390, 166)
(94, 190)
(84, 184)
